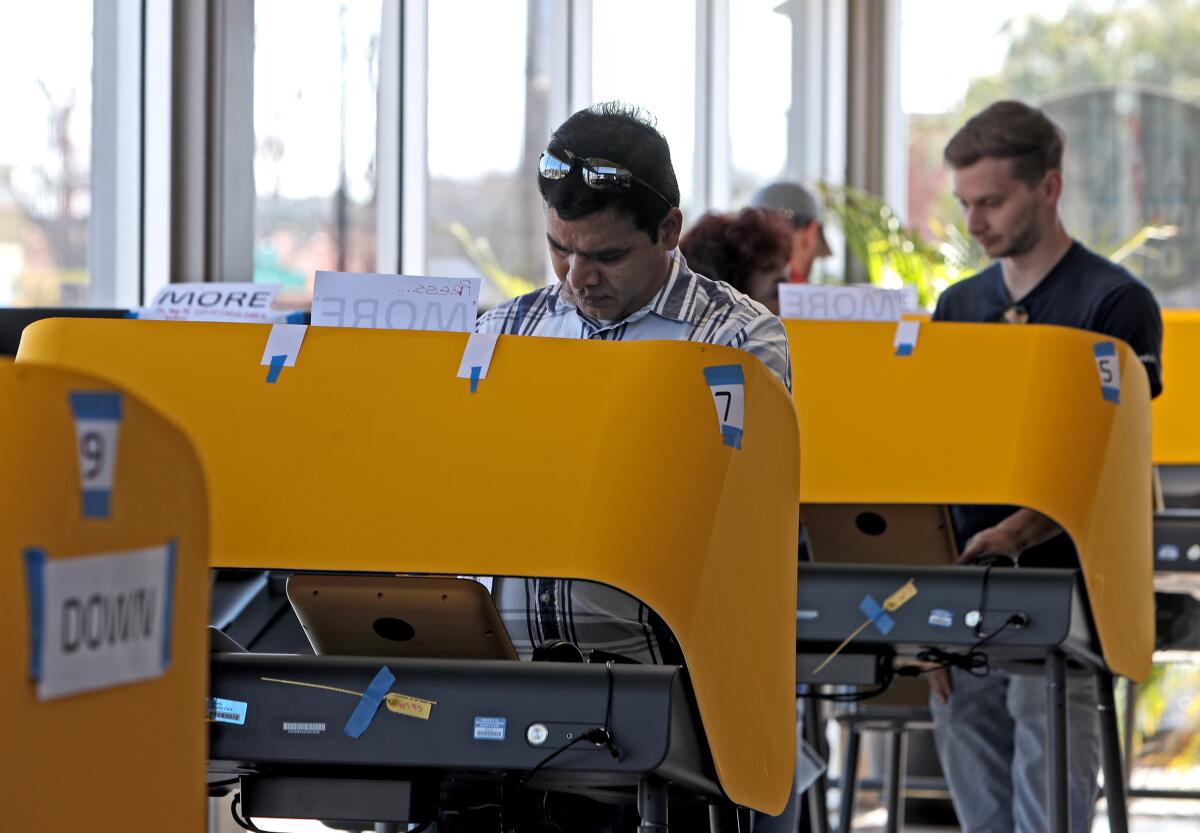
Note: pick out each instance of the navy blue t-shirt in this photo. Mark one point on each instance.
(1082, 290)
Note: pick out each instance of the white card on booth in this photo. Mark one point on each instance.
(395, 302)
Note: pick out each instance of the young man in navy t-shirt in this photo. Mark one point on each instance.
(1006, 164)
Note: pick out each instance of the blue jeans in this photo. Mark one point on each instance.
(991, 738)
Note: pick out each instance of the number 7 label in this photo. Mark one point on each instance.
(728, 387)
(97, 429)
(1108, 366)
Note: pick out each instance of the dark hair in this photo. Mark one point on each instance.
(1009, 130)
(626, 136)
(733, 247)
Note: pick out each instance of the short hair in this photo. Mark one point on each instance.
(733, 247)
(1009, 130)
(624, 135)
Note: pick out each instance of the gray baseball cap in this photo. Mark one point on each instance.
(797, 204)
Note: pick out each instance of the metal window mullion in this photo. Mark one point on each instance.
(701, 160)
(156, 157)
(114, 224)
(389, 141)
(414, 173)
(720, 160)
(232, 201)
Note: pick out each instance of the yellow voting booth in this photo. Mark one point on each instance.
(1176, 435)
(978, 414)
(104, 660)
(572, 459)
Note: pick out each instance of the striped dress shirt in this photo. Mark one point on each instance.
(688, 307)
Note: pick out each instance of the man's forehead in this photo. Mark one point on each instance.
(989, 175)
(603, 227)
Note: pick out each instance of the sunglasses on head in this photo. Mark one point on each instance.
(600, 174)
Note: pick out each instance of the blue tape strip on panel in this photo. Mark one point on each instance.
(876, 614)
(96, 405)
(731, 436)
(724, 374)
(475, 371)
(35, 580)
(276, 368)
(905, 349)
(364, 712)
(168, 604)
(96, 503)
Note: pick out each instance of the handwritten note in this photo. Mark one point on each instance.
(395, 302)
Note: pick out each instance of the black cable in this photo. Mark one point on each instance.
(242, 822)
(529, 775)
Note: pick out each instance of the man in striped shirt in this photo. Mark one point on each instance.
(613, 225)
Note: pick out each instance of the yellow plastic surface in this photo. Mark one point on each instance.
(132, 756)
(1176, 411)
(991, 415)
(580, 459)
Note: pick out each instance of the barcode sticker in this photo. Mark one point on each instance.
(490, 728)
(226, 711)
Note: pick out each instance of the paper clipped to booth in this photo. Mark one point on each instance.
(395, 302)
(99, 621)
(250, 303)
(841, 303)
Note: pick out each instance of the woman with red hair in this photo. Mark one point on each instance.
(748, 249)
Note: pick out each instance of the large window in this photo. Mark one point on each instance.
(489, 89)
(45, 153)
(316, 75)
(1121, 79)
(645, 54)
(760, 84)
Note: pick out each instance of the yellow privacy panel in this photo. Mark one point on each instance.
(589, 460)
(1177, 410)
(1001, 415)
(103, 557)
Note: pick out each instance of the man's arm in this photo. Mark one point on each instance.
(766, 339)
(1012, 536)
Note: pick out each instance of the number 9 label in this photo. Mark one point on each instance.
(97, 429)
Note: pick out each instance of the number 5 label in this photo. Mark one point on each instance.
(97, 427)
(728, 387)
(1108, 366)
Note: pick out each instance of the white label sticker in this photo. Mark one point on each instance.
(97, 430)
(905, 340)
(302, 727)
(1108, 366)
(490, 728)
(395, 302)
(99, 621)
(727, 383)
(839, 303)
(477, 354)
(941, 618)
(226, 711)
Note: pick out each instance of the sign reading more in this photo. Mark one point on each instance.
(395, 302)
(99, 621)
(840, 303)
(244, 302)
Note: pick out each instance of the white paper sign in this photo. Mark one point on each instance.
(238, 302)
(905, 339)
(477, 354)
(839, 303)
(97, 429)
(395, 302)
(727, 383)
(99, 621)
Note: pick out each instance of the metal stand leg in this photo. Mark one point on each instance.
(893, 782)
(849, 779)
(814, 733)
(387, 827)
(1057, 783)
(652, 805)
(1110, 750)
(1130, 720)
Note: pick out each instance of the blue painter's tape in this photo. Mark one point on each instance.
(1112, 395)
(35, 581)
(364, 712)
(904, 349)
(169, 605)
(1105, 348)
(295, 317)
(731, 436)
(96, 405)
(97, 503)
(218, 710)
(276, 368)
(475, 371)
(873, 611)
(724, 374)
(131, 313)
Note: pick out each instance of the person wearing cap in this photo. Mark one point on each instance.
(798, 205)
